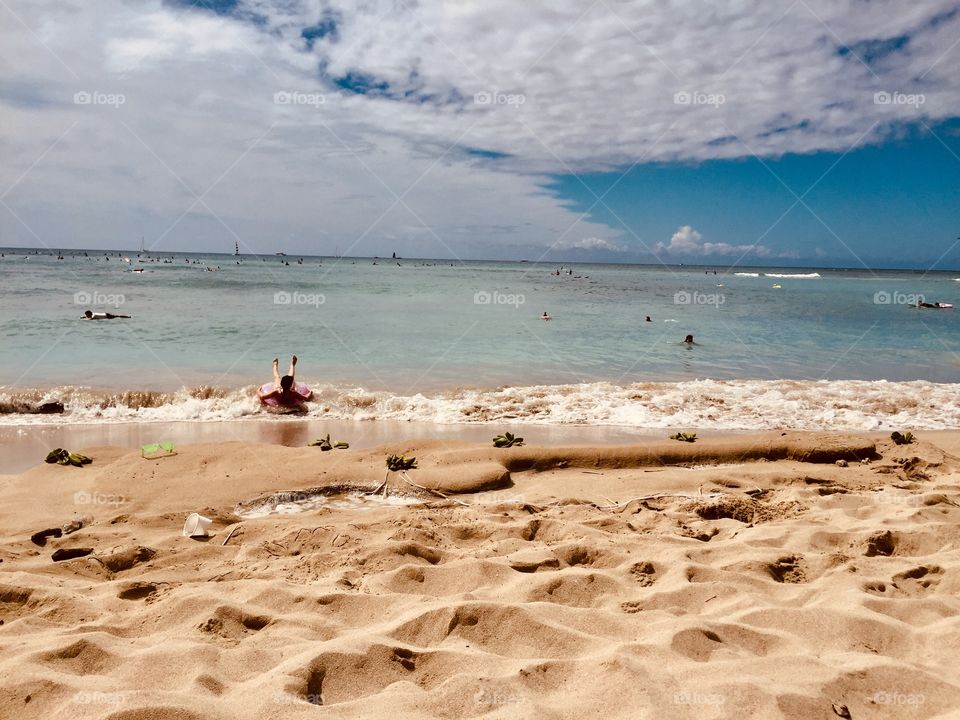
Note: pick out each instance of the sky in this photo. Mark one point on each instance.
(737, 133)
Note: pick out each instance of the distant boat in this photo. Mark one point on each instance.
(283, 254)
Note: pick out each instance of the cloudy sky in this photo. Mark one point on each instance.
(765, 131)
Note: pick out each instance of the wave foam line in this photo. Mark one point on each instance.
(704, 404)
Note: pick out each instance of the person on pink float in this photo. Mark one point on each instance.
(284, 391)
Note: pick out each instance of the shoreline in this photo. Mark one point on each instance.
(26, 446)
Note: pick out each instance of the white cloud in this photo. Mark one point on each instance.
(598, 88)
(687, 241)
(590, 243)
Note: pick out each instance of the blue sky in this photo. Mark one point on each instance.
(483, 129)
(896, 204)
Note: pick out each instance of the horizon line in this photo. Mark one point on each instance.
(711, 266)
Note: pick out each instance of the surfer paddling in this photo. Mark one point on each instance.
(90, 315)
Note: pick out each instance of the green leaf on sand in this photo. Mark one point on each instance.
(507, 440)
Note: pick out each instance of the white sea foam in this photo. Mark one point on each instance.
(806, 276)
(743, 274)
(290, 503)
(706, 404)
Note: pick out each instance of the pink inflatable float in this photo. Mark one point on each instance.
(277, 405)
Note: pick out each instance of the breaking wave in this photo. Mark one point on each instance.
(705, 404)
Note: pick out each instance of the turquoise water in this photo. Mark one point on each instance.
(419, 326)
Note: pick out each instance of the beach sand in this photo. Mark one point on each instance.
(746, 576)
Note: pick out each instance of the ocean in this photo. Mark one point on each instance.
(464, 342)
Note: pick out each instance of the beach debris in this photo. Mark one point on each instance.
(841, 463)
(902, 438)
(507, 440)
(841, 711)
(76, 524)
(40, 538)
(70, 553)
(396, 463)
(65, 457)
(152, 451)
(196, 525)
(49, 408)
(325, 444)
(230, 534)
(684, 437)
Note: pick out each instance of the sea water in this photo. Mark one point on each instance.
(450, 341)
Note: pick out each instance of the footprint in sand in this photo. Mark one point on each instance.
(881, 543)
(233, 624)
(918, 580)
(137, 591)
(700, 643)
(575, 590)
(585, 556)
(906, 544)
(81, 658)
(644, 573)
(335, 677)
(788, 569)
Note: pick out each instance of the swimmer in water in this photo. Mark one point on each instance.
(688, 340)
(648, 319)
(90, 315)
(284, 387)
(545, 316)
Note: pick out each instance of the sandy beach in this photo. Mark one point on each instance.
(785, 575)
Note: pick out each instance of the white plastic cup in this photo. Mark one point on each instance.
(196, 525)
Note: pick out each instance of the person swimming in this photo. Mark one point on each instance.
(648, 319)
(688, 340)
(90, 315)
(545, 316)
(284, 390)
